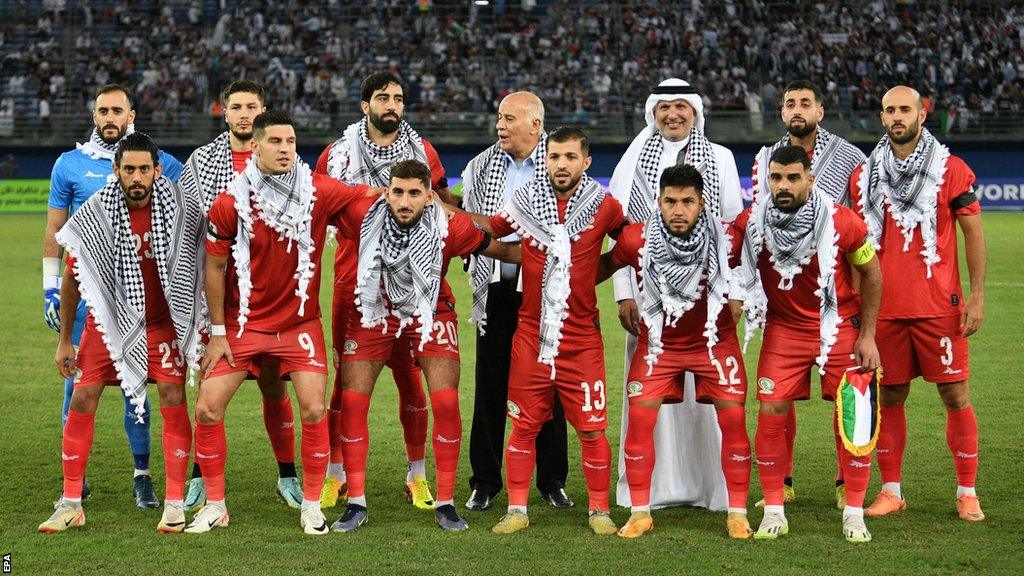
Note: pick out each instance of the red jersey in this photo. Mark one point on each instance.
(346, 257)
(157, 311)
(273, 303)
(584, 319)
(240, 159)
(907, 292)
(799, 307)
(464, 238)
(688, 332)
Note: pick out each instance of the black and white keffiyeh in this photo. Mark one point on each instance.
(792, 240)
(834, 161)
(209, 170)
(644, 192)
(99, 236)
(284, 203)
(356, 158)
(399, 270)
(533, 211)
(484, 193)
(98, 149)
(672, 274)
(910, 187)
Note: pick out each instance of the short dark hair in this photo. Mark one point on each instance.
(108, 88)
(568, 133)
(682, 176)
(787, 155)
(412, 169)
(137, 142)
(247, 86)
(270, 118)
(378, 81)
(801, 84)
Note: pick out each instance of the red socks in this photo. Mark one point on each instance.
(736, 453)
(212, 454)
(334, 422)
(856, 470)
(75, 448)
(790, 440)
(597, 470)
(520, 459)
(770, 443)
(412, 410)
(177, 445)
(355, 439)
(315, 453)
(280, 423)
(639, 453)
(892, 441)
(447, 441)
(962, 439)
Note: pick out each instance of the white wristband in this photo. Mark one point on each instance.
(51, 282)
(51, 266)
(218, 330)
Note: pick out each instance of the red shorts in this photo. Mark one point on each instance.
(166, 364)
(787, 360)
(934, 348)
(299, 349)
(579, 383)
(720, 378)
(378, 344)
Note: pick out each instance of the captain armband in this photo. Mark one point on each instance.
(862, 255)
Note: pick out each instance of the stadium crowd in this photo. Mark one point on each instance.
(579, 58)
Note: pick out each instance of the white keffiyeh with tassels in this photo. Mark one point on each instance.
(792, 240)
(356, 158)
(672, 274)
(99, 236)
(833, 162)
(285, 204)
(910, 188)
(209, 170)
(399, 270)
(533, 211)
(699, 154)
(483, 193)
(98, 149)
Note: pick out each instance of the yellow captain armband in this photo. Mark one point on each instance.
(862, 255)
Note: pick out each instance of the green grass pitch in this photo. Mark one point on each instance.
(264, 536)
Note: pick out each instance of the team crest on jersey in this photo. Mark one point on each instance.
(350, 346)
(766, 386)
(513, 409)
(634, 389)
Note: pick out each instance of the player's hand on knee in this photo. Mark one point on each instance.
(865, 353)
(65, 359)
(51, 306)
(629, 316)
(217, 348)
(972, 316)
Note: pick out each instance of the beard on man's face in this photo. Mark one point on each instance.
(387, 123)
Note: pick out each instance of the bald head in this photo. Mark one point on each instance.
(902, 115)
(520, 124)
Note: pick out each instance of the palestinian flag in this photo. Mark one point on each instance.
(858, 411)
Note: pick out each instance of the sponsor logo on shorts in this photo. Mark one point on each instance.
(317, 363)
(950, 370)
(513, 450)
(449, 304)
(175, 372)
(733, 390)
(634, 389)
(202, 456)
(593, 419)
(766, 386)
(954, 299)
(444, 440)
(739, 457)
(513, 412)
(350, 346)
(67, 458)
(179, 454)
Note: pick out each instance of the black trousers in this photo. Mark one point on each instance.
(487, 438)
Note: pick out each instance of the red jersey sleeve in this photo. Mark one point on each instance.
(501, 226)
(614, 219)
(627, 247)
(852, 231)
(959, 186)
(437, 173)
(736, 230)
(334, 196)
(349, 222)
(321, 162)
(464, 237)
(222, 225)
